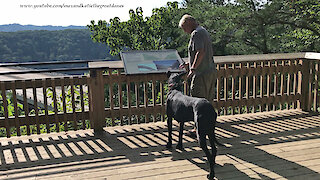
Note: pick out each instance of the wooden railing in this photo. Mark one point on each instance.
(108, 97)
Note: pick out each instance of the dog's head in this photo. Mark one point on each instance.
(175, 80)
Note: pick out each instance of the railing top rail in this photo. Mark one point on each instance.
(228, 59)
(264, 57)
(48, 70)
(49, 63)
(110, 64)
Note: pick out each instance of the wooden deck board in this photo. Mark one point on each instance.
(272, 145)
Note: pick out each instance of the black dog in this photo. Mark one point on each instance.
(185, 108)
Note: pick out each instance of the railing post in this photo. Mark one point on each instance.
(96, 89)
(306, 85)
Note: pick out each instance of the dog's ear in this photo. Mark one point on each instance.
(168, 74)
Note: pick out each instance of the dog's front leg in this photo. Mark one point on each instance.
(169, 123)
(179, 146)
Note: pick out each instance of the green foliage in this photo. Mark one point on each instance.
(304, 18)
(159, 31)
(256, 26)
(25, 46)
(236, 27)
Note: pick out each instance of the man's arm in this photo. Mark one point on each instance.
(197, 60)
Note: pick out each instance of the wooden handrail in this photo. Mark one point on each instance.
(265, 57)
(49, 63)
(229, 59)
(49, 70)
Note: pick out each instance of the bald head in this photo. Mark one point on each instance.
(188, 23)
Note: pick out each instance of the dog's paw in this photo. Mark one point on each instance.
(211, 176)
(179, 146)
(169, 146)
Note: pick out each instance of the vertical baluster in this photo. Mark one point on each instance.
(162, 100)
(120, 98)
(317, 73)
(268, 84)
(120, 94)
(35, 104)
(55, 104)
(289, 83)
(275, 83)
(136, 89)
(64, 106)
(90, 105)
(111, 97)
(240, 90)
(316, 86)
(225, 88)
(15, 105)
(5, 107)
(282, 64)
(145, 89)
(73, 103)
(129, 100)
(296, 85)
(233, 91)
(185, 87)
(82, 84)
(247, 87)
(218, 93)
(261, 86)
(26, 105)
(153, 96)
(314, 79)
(45, 103)
(254, 84)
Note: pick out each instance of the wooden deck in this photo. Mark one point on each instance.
(272, 145)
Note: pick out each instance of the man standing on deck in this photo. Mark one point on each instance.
(201, 67)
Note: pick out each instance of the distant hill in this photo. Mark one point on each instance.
(69, 44)
(19, 27)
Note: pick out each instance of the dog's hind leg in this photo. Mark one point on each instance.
(169, 124)
(212, 140)
(203, 145)
(179, 146)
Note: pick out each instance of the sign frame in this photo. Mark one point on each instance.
(151, 61)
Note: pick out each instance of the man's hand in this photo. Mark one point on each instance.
(185, 66)
(191, 72)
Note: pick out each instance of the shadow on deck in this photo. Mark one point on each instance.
(272, 145)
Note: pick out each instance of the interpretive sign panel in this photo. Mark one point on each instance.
(142, 62)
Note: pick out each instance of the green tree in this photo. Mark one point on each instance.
(256, 26)
(158, 31)
(303, 19)
(236, 27)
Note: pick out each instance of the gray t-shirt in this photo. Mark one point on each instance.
(200, 39)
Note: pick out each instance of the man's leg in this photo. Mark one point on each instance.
(197, 89)
(211, 85)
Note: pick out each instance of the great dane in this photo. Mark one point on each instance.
(185, 108)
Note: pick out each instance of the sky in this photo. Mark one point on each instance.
(71, 12)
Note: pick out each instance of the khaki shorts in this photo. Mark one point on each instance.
(203, 86)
